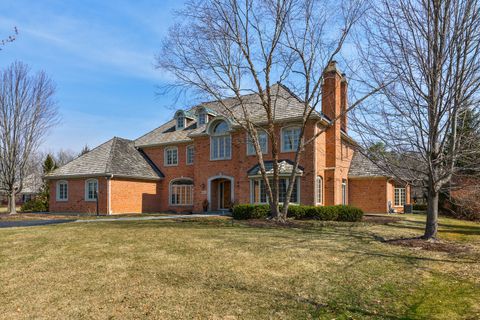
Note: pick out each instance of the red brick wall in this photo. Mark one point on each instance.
(76, 197)
(129, 196)
(369, 194)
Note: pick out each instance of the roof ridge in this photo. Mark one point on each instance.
(110, 155)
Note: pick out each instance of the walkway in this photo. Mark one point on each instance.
(33, 223)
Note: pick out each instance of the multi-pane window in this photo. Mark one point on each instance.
(91, 190)
(220, 142)
(259, 191)
(171, 156)
(344, 192)
(262, 141)
(180, 121)
(190, 154)
(202, 118)
(290, 139)
(400, 196)
(319, 190)
(62, 191)
(181, 193)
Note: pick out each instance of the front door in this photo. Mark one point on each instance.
(224, 191)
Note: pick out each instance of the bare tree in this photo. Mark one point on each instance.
(64, 156)
(27, 112)
(230, 48)
(429, 53)
(10, 38)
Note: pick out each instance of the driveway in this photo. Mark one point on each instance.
(33, 223)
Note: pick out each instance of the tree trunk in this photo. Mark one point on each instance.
(12, 203)
(431, 226)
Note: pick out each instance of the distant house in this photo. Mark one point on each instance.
(31, 187)
(202, 156)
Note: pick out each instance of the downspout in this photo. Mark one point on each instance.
(109, 194)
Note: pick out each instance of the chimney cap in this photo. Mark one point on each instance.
(332, 67)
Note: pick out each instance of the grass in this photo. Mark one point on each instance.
(216, 269)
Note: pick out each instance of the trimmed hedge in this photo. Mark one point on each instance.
(323, 213)
(250, 211)
(420, 207)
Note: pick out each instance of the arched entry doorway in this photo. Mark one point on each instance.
(220, 193)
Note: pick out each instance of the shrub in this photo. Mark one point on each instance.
(324, 213)
(349, 213)
(34, 205)
(250, 211)
(296, 211)
(420, 207)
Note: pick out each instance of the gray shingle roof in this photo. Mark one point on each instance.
(287, 107)
(117, 157)
(361, 166)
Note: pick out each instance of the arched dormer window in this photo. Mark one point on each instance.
(180, 120)
(202, 117)
(220, 141)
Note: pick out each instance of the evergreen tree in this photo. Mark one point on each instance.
(48, 166)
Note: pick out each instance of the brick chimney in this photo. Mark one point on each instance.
(334, 101)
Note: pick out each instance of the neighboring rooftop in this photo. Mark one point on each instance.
(361, 166)
(117, 157)
(287, 106)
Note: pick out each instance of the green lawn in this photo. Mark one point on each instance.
(213, 269)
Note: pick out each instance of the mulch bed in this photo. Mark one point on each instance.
(380, 219)
(430, 245)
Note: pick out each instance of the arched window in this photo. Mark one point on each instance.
(91, 190)
(290, 139)
(202, 117)
(180, 121)
(62, 191)
(171, 156)
(319, 190)
(220, 141)
(181, 192)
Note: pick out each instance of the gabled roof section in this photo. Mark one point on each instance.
(117, 157)
(287, 107)
(284, 167)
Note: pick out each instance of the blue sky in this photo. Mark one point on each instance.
(100, 54)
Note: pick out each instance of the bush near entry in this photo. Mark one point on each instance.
(324, 213)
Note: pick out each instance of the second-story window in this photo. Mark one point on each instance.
(171, 156)
(262, 140)
(220, 142)
(290, 139)
(190, 154)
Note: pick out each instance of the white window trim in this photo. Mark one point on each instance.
(186, 155)
(202, 113)
(317, 200)
(180, 114)
(400, 196)
(86, 190)
(165, 158)
(57, 196)
(211, 147)
(298, 182)
(282, 149)
(170, 193)
(248, 140)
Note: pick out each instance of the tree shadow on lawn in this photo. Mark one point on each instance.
(443, 227)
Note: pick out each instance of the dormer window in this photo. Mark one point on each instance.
(202, 118)
(180, 121)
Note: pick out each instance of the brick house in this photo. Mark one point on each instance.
(202, 158)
